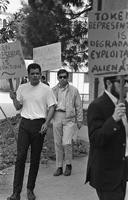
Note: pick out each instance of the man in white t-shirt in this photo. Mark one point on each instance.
(36, 102)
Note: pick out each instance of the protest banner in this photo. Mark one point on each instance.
(114, 4)
(12, 63)
(48, 57)
(108, 42)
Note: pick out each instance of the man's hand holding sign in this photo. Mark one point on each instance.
(107, 114)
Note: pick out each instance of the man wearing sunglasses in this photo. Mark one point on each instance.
(106, 169)
(68, 112)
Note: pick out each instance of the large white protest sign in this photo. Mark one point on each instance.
(108, 43)
(12, 63)
(48, 57)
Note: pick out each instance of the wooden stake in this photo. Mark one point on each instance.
(11, 127)
(96, 81)
(99, 6)
(121, 89)
(11, 84)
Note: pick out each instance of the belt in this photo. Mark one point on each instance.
(33, 119)
(59, 110)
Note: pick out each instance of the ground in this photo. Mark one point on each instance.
(8, 138)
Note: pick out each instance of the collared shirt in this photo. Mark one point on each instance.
(61, 103)
(113, 98)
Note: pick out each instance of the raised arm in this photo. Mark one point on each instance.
(16, 103)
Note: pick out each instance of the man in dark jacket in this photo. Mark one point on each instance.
(107, 136)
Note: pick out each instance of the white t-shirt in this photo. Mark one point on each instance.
(35, 100)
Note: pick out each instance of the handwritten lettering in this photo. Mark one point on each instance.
(116, 16)
(108, 54)
(108, 69)
(8, 54)
(108, 42)
(108, 25)
(11, 60)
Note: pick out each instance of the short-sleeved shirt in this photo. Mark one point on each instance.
(35, 100)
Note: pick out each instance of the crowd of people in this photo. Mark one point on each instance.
(39, 104)
(107, 129)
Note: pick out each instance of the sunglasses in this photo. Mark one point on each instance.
(64, 77)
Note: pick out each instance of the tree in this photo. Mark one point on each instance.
(3, 33)
(45, 22)
(3, 5)
(71, 31)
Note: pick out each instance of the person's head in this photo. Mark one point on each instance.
(34, 73)
(62, 76)
(112, 84)
(43, 79)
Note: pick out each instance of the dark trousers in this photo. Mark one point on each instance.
(117, 194)
(28, 136)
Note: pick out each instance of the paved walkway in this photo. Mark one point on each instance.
(49, 187)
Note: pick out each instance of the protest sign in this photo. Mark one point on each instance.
(12, 63)
(108, 42)
(48, 57)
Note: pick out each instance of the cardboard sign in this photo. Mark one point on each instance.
(12, 63)
(48, 57)
(108, 43)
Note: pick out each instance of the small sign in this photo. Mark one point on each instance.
(12, 63)
(48, 57)
(108, 43)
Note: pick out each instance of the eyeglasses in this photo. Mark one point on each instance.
(118, 81)
(64, 77)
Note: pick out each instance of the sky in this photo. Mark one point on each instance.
(14, 5)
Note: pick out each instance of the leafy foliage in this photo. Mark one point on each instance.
(3, 5)
(45, 22)
(68, 26)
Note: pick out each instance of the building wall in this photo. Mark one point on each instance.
(79, 79)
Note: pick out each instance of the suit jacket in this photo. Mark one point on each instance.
(106, 162)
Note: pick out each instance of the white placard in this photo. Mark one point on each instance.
(12, 63)
(48, 57)
(108, 43)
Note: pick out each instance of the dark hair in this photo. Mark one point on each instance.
(62, 71)
(43, 77)
(110, 78)
(33, 66)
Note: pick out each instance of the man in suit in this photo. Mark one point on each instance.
(107, 135)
